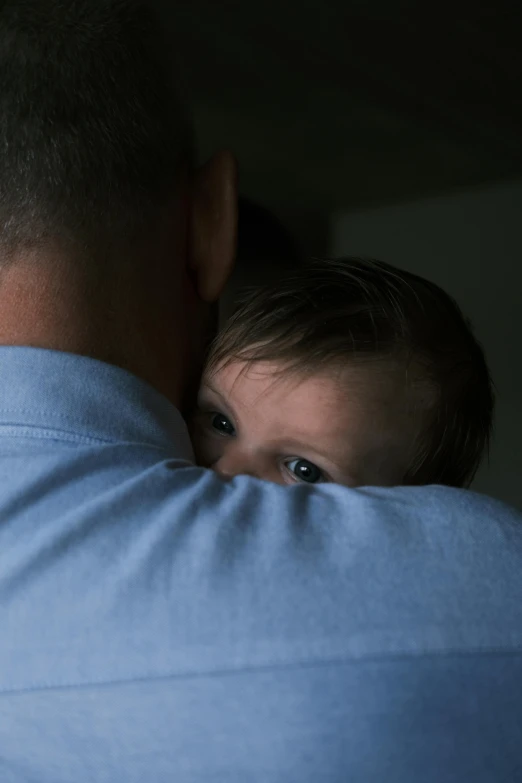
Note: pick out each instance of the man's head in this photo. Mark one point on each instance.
(98, 189)
(368, 373)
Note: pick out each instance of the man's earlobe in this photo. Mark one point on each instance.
(213, 225)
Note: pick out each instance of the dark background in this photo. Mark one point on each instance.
(381, 128)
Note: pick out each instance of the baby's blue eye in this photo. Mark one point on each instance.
(305, 471)
(222, 424)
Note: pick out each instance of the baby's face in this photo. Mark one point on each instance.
(336, 426)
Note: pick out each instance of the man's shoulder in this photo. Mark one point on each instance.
(421, 515)
(371, 570)
(332, 571)
(185, 573)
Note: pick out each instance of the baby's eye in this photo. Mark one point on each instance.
(305, 471)
(222, 424)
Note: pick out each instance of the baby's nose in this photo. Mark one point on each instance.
(235, 462)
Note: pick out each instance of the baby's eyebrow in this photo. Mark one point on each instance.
(228, 406)
(207, 385)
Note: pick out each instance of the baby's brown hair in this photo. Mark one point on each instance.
(349, 310)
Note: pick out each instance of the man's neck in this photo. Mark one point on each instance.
(50, 303)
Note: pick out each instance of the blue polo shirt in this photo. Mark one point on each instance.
(158, 624)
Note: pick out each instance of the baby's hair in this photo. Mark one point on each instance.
(340, 311)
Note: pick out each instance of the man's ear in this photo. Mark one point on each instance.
(213, 225)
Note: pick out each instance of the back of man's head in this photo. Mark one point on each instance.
(92, 133)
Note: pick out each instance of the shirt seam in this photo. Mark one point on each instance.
(51, 433)
(509, 651)
(35, 432)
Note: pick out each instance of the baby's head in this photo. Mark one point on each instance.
(348, 371)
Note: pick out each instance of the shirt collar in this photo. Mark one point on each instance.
(86, 398)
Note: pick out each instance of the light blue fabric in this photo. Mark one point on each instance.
(157, 624)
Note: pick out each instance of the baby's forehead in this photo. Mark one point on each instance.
(368, 385)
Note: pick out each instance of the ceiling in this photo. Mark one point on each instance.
(332, 104)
